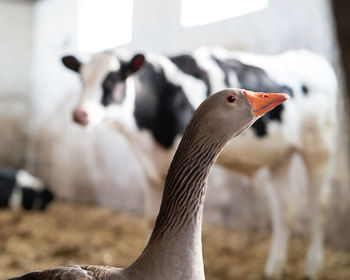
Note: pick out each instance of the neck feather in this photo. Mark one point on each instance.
(174, 250)
(185, 184)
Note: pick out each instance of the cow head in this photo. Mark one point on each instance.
(104, 82)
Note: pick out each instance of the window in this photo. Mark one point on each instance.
(199, 12)
(104, 24)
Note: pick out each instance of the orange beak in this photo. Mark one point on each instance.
(263, 102)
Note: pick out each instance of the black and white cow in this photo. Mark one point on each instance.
(19, 189)
(152, 104)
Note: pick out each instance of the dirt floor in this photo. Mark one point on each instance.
(69, 234)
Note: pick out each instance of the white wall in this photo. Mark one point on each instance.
(281, 25)
(16, 46)
(15, 85)
(54, 33)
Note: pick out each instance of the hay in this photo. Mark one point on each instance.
(68, 234)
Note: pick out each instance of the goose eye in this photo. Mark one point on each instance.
(231, 98)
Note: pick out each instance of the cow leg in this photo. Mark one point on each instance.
(283, 185)
(319, 195)
(314, 259)
(280, 235)
(271, 181)
(318, 142)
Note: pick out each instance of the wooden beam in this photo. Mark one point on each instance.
(341, 10)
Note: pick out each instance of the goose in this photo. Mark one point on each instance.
(174, 249)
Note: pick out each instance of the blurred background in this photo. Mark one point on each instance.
(37, 96)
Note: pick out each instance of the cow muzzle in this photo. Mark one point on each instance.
(80, 116)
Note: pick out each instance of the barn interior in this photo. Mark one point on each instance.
(102, 194)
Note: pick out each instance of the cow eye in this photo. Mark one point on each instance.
(231, 98)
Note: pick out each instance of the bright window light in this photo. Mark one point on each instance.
(199, 12)
(104, 24)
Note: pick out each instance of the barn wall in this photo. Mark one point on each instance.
(15, 85)
(54, 35)
(281, 25)
(16, 47)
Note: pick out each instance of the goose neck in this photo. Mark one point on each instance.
(174, 250)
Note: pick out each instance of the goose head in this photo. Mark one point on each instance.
(231, 111)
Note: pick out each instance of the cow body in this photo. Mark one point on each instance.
(153, 106)
(19, 189)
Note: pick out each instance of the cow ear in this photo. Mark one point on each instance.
(71, 63)
(136, 63)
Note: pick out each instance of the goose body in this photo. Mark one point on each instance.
(174, 250)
